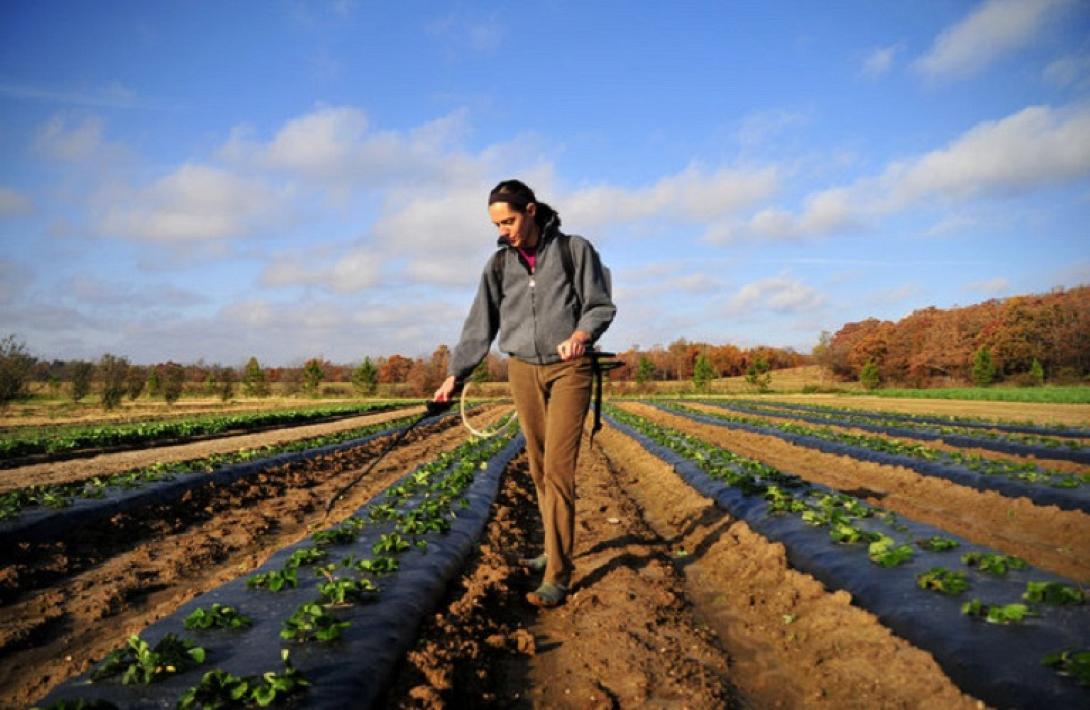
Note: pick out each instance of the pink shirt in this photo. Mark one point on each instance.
(530, 255)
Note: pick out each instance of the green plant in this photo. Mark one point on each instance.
(113, 371)
(275, 580)
(81, 372)
(138, 662)
(992, 563)
(1070, 662)
(15, 369)
(885, 553)
(997, 614)
(936, 543)
(390, 543)
(254, 382)
(939, 579)
(758, 375)
(312, 376)
(645, 371)
(868, 376)
(983, 367)
(219, 617)
(1037, 373)
(219, 689)
(312, 620)
(173, 376)
(365, 377)
(378, 566)
(703, 373)
(305, 556)
(1053, 593)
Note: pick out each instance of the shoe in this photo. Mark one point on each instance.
(547, 595)
(535, 564)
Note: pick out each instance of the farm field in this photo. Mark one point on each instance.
(678, 598)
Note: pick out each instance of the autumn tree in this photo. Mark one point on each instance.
(81, 372)
(15, 369)
(173, 381)
(135, 381)
(113, 371)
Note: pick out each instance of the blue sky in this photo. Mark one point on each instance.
(289, 179)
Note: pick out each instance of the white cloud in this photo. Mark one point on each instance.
(880, 60)
(194, 204)
(990, 287)
(14, 203)
(694, 195)
(1072, 70)
(111, 95)
(1028, 150)
(895, 296)
(336, 146)
(781, 294)
(73, 143)
(995, 28)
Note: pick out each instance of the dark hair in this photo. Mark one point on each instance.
(522, 195)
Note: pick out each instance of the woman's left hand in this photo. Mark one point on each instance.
(573, 347)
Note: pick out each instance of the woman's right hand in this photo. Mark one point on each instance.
(445, 390)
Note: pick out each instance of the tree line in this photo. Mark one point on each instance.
(1023, 340)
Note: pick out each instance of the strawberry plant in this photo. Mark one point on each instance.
(995, 613)
(390, 543)
(305, 556)
(1053, 593)
(219, 617)
(312, 620)
(937, 543)
(939, 579)
(1071, 662)
(884, 552)
(138, 662)
(378, 565)
(275, 580)
(340, 592)
(220, 689)
(992, 563)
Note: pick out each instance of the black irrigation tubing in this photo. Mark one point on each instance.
(1081, 455)
(17, 460)
(1063, 498)
(350, 672)
(1000, 665)
(1071, 432)
(46, 524)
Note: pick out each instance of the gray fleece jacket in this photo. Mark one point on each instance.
(534, 312)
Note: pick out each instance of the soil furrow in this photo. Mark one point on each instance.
(1046, 537)
(185, 549)
(105, 464)
(792, 642)
(626, 637)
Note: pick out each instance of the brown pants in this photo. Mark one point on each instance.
(552, 402)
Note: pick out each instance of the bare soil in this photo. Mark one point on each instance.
(104, 464)
(1045, 536)
(674, 604)
(626, 637)
(65, 605)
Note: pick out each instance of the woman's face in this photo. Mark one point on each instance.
(516, 228)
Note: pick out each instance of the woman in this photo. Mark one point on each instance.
(546, 294)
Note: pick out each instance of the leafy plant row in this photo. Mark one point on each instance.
(956, 435)
(76, 438)
(314, 594)
(1027, 472)
(1006, 591)
(939, 419)
(62, 495)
